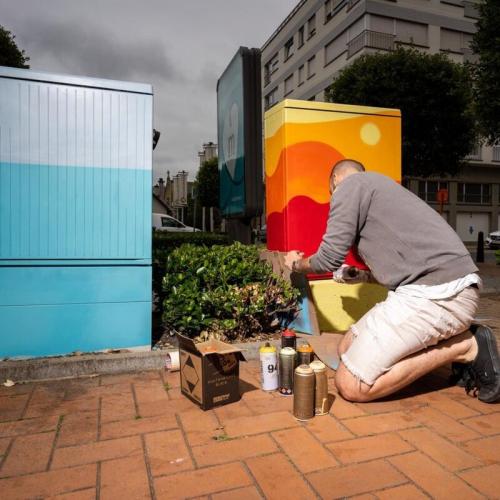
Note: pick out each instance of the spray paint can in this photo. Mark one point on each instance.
(268, 367)
(303, 395)
(305, 354)
(288, 339)
(286, 369)
(321, 388)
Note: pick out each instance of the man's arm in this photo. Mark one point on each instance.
(348, 212)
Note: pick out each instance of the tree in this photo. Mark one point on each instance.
(486, 43)
(207, 182)
(10, 54)
(435, 99)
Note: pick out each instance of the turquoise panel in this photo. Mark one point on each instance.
(59, 329)
(73, 285)
(68, 212)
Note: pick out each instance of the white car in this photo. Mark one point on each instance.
(162, 222)
(493, 240)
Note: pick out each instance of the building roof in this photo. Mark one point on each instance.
(159, 200)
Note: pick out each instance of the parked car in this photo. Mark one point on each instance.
(493, 240)
(162, 222)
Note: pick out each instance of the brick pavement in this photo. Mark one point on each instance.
(135, 436)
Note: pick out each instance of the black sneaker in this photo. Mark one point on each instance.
(460, 374)
(484, 372)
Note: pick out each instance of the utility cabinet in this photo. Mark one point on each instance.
(75, 213)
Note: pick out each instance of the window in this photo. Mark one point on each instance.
(311, 26)
(411, 33)
(335, 48)
(301, 75)
(427, 190)
(271, 98)
(455, 41)
(328, 10)
(289, 84)
(169, 222)
(474, 193)
(289, 48)
(300, 40)
(311, 67)
(270, 67)
(496, 153)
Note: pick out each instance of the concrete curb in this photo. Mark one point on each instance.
(27, 370)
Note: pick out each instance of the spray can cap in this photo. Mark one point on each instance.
(303, 370)
(318, 366)
(288, 351)
(267, 348)
(288, 333)
(305, 347)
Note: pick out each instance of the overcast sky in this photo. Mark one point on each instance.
(181, 47)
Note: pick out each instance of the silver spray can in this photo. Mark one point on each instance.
(268, 367)
(287, 367)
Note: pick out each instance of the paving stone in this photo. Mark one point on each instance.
(152, 398)
(116, 407)
(444, 425)
(261, 406)
(355, 479)
(451, 457)
(304, 450)
(45, 484)
(488, 425)
(432, 478)
(78, 428)
(167, 452)
(377, 424)
(124, 478)
(487, 449)
(96, 452)
(260, 423)
(218, 452)
(130, 378)
(28, 454)
(327, 429)
(113, 430)
(369, 448)
(448, 406)
(248, 493)
(228, 412)
(344, 409)
(11, 407)
(278, 479)
(28, 426)
(202, 482)
(484, 480)
(406, 492)
(4, 444)
(458, 394)
(87, 494)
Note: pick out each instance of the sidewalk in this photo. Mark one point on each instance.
(135, 436)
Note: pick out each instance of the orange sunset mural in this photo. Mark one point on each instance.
(303, 140)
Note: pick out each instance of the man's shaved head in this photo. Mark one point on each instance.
(343, 169)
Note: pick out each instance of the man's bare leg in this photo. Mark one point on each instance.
(461, 348)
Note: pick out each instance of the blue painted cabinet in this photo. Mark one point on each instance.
(75, 213)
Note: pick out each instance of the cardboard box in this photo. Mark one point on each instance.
(210, 372)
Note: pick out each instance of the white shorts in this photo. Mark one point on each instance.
(403, 325)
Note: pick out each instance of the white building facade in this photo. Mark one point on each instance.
(319, 38)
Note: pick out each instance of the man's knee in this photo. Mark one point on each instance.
(350, 387)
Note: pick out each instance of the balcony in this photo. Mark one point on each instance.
(496, 153)
(475, 154)
(471, 9)
(370, 39)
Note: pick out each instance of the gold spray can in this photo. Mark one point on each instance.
(305, 354)
(303, 395)
(321, 389)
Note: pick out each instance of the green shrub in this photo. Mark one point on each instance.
(225, 293)
(164, 243)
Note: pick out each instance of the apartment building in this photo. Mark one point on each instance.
(319, 38)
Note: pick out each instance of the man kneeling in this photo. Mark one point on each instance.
(426, 320)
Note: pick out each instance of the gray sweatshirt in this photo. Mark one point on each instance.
(401, 238)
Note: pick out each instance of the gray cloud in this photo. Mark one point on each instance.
(179, 47)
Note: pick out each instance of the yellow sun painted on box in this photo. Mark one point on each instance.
(303, 140)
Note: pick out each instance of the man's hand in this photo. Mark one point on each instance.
(351, 275)
(291, 257)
